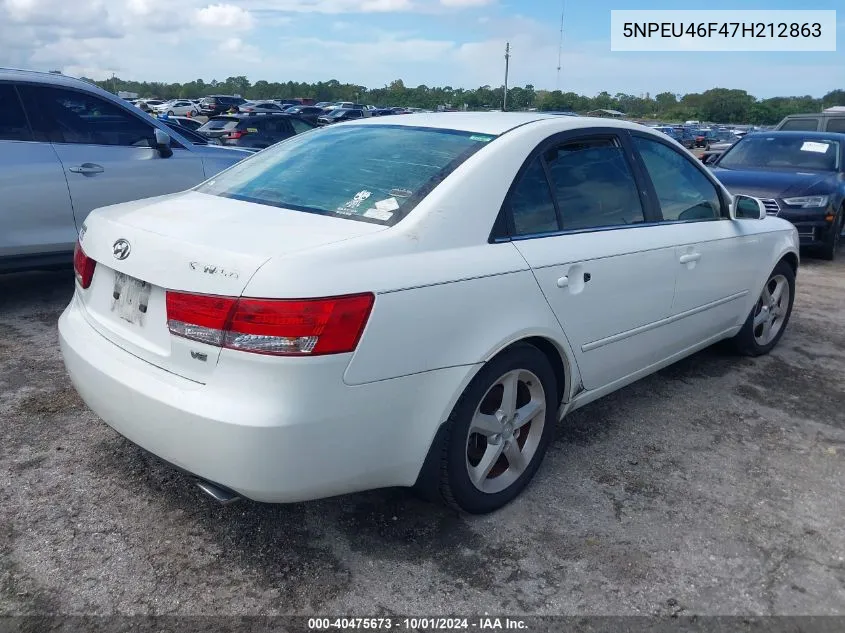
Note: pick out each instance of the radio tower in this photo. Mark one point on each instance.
(560, 45)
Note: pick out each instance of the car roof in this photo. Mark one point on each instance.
(36, 76)
(836, 136)
(495, 123)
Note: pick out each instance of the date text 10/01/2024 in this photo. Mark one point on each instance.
(418, 624)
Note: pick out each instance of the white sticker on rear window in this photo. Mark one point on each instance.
(483, 139)
(356, 201)
(378, 214)
(387, 205)
(812, 146)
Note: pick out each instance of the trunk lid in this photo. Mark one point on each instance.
(190, 242)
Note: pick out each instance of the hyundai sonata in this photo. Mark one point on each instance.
(412, 301)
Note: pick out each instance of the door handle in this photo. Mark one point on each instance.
(563, 282)
(690, 257)
(87, 168)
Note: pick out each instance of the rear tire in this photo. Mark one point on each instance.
(193, 113)
(770, 315)
(498, 432)
(170, 113)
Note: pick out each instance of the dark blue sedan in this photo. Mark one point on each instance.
(799, 175)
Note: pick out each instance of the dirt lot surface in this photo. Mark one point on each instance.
(713, 487)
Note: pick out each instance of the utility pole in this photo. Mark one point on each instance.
(507, 63)
(560, 45)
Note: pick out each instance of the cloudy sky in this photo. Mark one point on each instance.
(371, 42)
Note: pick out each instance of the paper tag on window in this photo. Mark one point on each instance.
(378, 214)
(387, 205)
(812, 146)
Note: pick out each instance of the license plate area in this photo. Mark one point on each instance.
(130, 299)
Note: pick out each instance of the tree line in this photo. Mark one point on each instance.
(718, 104)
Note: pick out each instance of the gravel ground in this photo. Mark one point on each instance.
(713, 487)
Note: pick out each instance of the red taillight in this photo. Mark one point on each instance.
(236, 134)
(83, 266)
(271, 326)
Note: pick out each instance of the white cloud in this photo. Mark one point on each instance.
(236, 48)
(225, 16)
(465, 3)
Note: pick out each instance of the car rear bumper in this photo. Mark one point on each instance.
(271, 429)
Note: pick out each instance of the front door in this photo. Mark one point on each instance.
(107, 151)
(714, 255)
(579, 221)
(35, 213)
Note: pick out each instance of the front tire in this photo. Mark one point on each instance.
(499, 431)
(768, 318)
(170, 113)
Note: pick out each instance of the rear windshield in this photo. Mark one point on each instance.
(370, 173)
(221, 124)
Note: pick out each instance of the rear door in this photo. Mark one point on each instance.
(35, 214)
(581, 220)
(715, 257)
(107, 151)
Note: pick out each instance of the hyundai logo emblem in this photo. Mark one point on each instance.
(121, 249)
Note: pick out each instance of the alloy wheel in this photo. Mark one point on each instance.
(771, 308)
(505, 431)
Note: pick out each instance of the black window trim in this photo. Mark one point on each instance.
(724, 207)
(175, 143)
(503, 229)
(16, 92)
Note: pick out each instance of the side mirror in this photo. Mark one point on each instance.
(747, 208)
(162, 143)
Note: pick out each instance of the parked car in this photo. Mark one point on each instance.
(189, 134)
(244, 130)
(339, 115)
(308, 113)
(703, 138)
(218, 104)
(317, 320)
(67, 147)
(828, 121)
(178, 107)
(183, 121)
(260, 107)
(799, 175)
(681, 135)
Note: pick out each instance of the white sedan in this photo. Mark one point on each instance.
(412, 301)
(177, 107)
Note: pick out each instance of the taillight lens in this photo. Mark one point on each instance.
(235, 135)
(83, 266)
(281, 327)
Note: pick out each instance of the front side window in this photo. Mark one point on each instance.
(683, 191)
(593, 185)
(836, 125)
(81, 118)
(13, 123)
(369, 173)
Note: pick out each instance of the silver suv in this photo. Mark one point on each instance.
(68, 147)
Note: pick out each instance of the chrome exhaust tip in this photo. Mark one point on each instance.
(222, 495)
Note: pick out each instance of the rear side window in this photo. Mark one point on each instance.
(531, 204)
(801, 125)
(836, 125)
(593, 185)
(13, 123)
(361, 172)
(68, 116)
(683, 191)
(300, 126)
